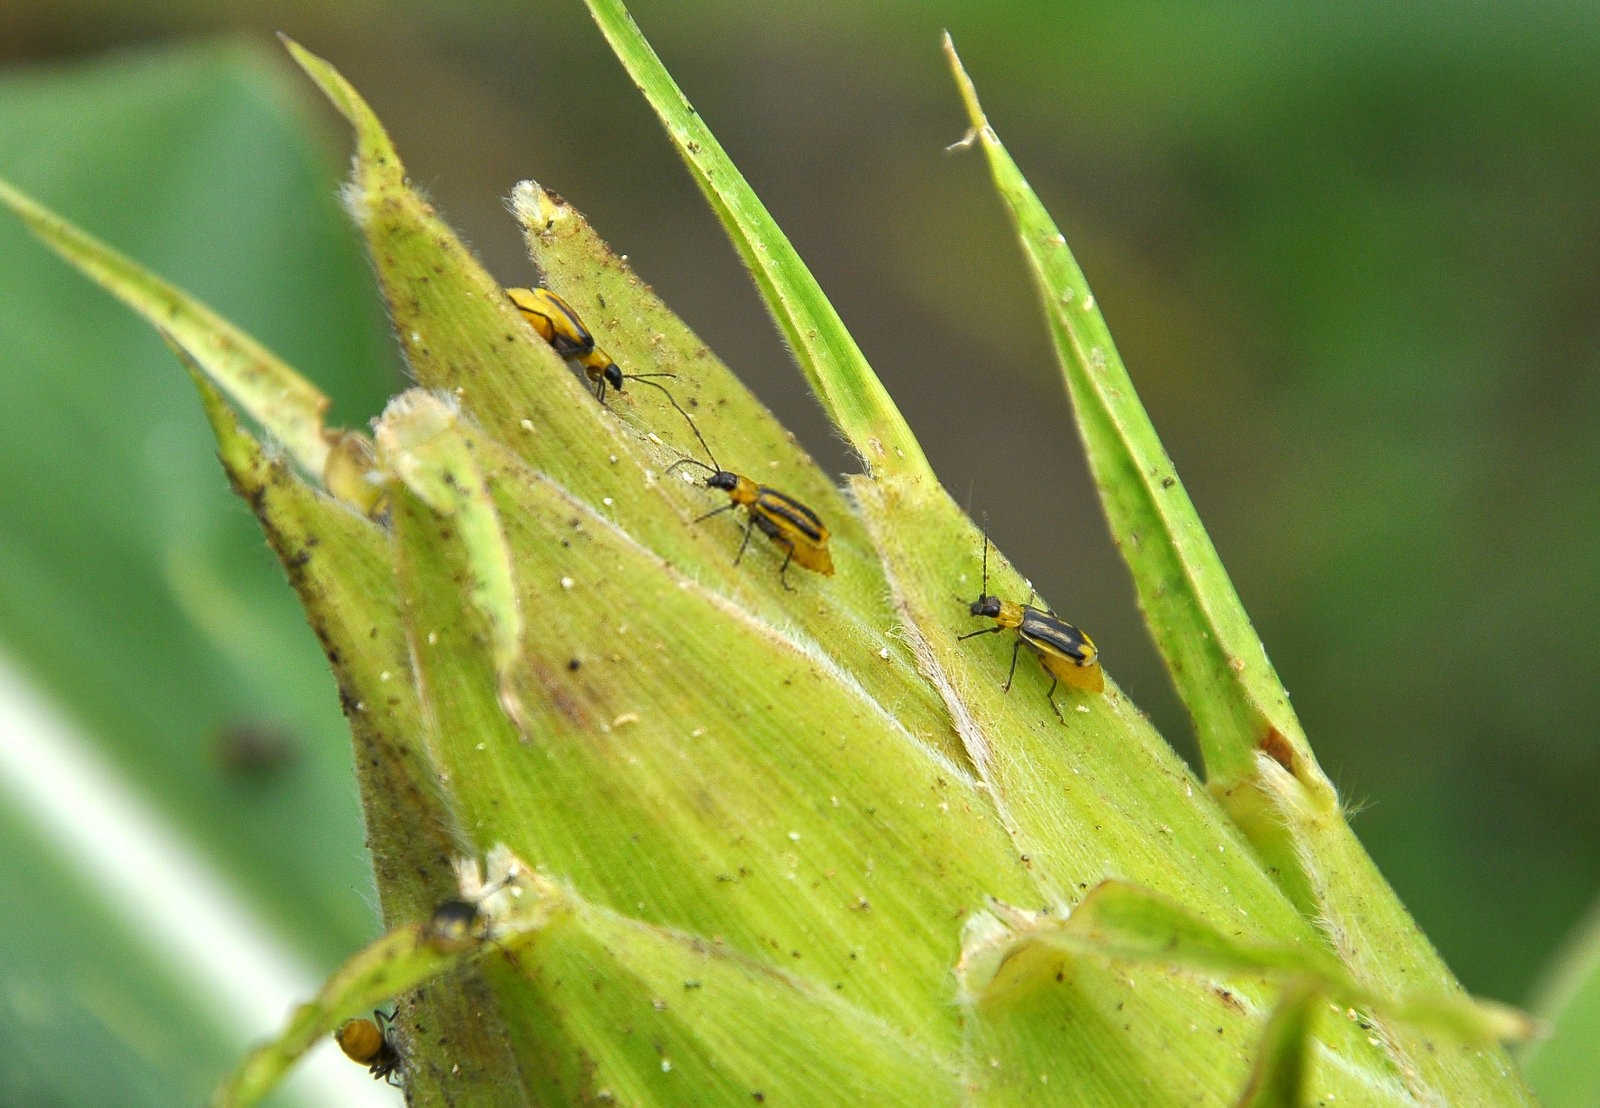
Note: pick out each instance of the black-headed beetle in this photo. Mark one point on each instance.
(1066, 653)
(454, 925)
(777, 515)
(558, 324)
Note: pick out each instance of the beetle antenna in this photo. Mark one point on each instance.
(715, 465)
(688, 462)
(985, 587)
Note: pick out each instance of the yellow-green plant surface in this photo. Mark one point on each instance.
(793, 845)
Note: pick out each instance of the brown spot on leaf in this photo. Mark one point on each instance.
(1276, 747)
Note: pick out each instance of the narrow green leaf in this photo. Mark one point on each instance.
(274, 395)
(340, 564)
(1386, 952)
(1281, 1075)
(851, 393)
(1254, 748)
(1563, 1067)
(418, 442)
(397, 962)
(1214, 656)
(1124, 922)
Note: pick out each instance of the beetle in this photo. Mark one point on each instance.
(366, 1042)
(558, 324)
(777, 515)
(1066, 653)
(453, 926)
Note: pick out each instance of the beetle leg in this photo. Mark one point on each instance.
(782, 580)
(1050, 695)
(717, 511)
(981, 631)
(747, 528)
(1013, 671)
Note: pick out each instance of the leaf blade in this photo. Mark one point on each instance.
(1215, 658)
(833, 364)
(264, 385)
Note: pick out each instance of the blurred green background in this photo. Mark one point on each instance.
(1350, 255)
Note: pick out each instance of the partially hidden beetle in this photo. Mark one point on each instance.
(555, 321)
(777, 515)
(1066, 653)
(558, 324)
(455, 925)
(366, 1042)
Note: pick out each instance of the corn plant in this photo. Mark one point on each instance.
(731, 835)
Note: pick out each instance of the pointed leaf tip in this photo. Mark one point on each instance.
(375, 153)
(834, 366)
(287, 405)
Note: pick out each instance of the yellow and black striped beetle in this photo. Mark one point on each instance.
(556, 322)
(1066, 653)
(366, 1042)
(777, 515)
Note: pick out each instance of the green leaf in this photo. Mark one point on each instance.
(850, 392)
(609, 572)
(692, 1016)
(266, 388)
(1214, 656)
(397, 962)
(134, 591)
(929, 551)
(1123, 922)
(813, 802)
(1561, 1066)
(1280, 1075)
(1257, 758)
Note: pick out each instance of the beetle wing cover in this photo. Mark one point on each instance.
(790, 523)
(1066, 652)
